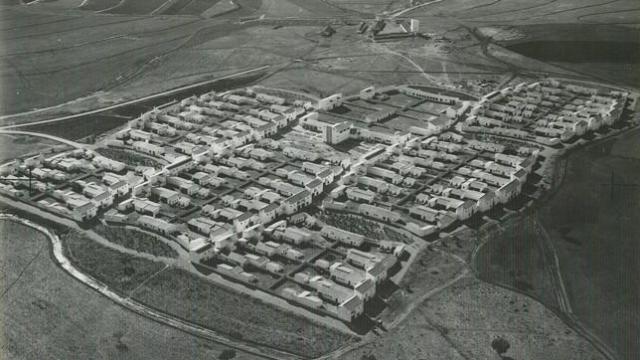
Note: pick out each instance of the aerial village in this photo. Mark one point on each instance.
(245, 174)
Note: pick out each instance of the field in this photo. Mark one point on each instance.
(121, 272)
(14, 146)
(463, 321)
(516, 257)
(173, 291)
(98, 5)
(65, 48)
(133, 54)
(46, 314)
(245, 318)
(136, 240)
(594, 227)
(75, 129)
(608, 53)
(136, 7)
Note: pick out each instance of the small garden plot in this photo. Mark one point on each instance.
(371, 229)
(399, 99)
(288, 284)
(130, 158)
(429, 107)
(310, 251)
(403, 123)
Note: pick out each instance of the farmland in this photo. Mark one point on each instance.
(49, 315)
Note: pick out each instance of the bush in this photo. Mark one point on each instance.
(500, 345)
(227, 354)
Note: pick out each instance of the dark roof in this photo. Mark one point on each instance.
(245, 216)
(315, 182)
(299, 196)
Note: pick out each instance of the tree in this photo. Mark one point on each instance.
(500, 345)
(227, 354)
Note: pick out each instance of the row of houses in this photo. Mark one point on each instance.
(550, 109)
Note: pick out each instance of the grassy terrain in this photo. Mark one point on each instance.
(129, 157)
(74, 129)
(64, 49)
(595, 229)
(430, 271)
(360, 225)
(134, 54)
(179, 293)
(136, 240)
(121, 272)
(14, 146)
(516, 257)
(462, 322)
(47, 314)
(136, 7)
(98, 5)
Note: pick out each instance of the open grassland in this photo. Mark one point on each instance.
(46, 314)
(245, 318)
(593, 223)
(462, 321)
